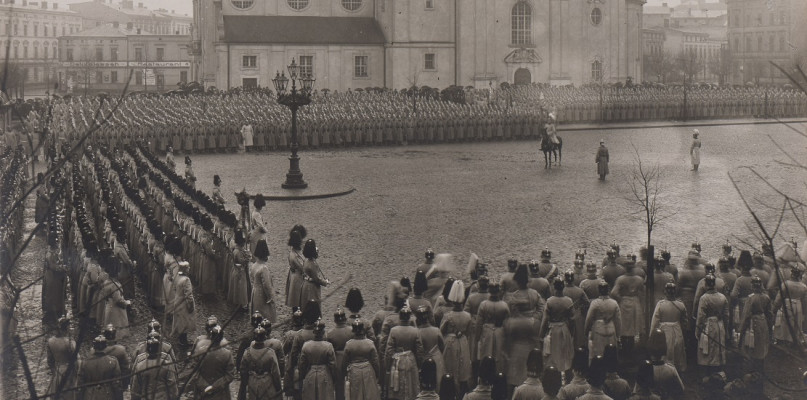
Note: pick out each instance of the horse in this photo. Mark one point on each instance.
(549, 148)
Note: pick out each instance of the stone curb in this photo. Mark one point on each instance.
(672, 124)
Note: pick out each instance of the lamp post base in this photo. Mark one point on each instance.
(294, 181)
(294, 178)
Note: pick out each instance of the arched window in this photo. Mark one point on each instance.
(596, 71)
(242, 4)
(351, 5)
(522, 23)
(298, 4)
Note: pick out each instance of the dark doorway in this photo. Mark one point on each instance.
(522, 77)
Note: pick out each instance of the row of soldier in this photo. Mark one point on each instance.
(254, 121)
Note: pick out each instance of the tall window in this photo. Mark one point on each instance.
(430, 4)
(69, 55)
(183, 76)
(771, 46)
(360, 66)
(748, 43)
(139, 54)
(36, 29)
(138, 77)
(781, 43)
(160, 54)
(99, 77)
(759, 43)
(113, 76)
(596, 71)
(429, 62)
(45, 52)
(306, 66)
(521, 21)
(99, 54)
(113, 54)
(249, 61)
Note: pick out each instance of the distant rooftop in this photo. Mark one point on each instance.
(108, 30)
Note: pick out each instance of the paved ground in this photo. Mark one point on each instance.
(496, 199)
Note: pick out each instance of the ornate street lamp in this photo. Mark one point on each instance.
(293, 100)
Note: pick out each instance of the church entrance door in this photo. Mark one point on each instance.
(522, 77)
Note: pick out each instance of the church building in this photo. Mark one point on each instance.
(350, 44)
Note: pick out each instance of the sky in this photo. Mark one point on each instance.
(180, 6)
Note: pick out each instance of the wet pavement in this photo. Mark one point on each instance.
(494, 199)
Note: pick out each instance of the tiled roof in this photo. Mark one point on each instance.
(302, 30)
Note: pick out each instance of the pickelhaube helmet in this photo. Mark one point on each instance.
(405, 314)
(568, 277)
(259, 334)
(216, 334)
(99, 343)
(709, 281)
(710, 268)
(591, 267)
(266, 325)
(339, 316)
(110, 332)
(756, 282)
(319, 328)
(256, 319)
(546, 254)
(603, 287)
(429, 254)
(670, 288)
(153, 346)
(212, 321)
(533, 265)
(154, 326)
(358, 327)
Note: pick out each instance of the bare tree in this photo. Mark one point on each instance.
(721, 65)
(661, 65)
(645, 199)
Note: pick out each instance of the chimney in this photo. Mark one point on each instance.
(129, 26)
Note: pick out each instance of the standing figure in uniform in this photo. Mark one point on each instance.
(487, 377)
(695, 150)
(603, 321)
(793, 296)
(313, 279)
(216, 369)
(237, 292)
(455, 327)
(318, 366)
(260, 369)
(263, 292)
(217, 197)
(259, 229)
(360, 365)
(99, 375)
(490, 325)
(338, 337)
(119, 352)
(189, 175)
(602, 160)
(154, 375)
(713, 313)
(184, 306)
(432, 339)
(61, 349)
(756, 325)
(556, 330)
(670, 316)
(294, 279)
(402, 356)
(428, 381)
(629, 292)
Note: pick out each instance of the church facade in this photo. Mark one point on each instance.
(350, 44)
